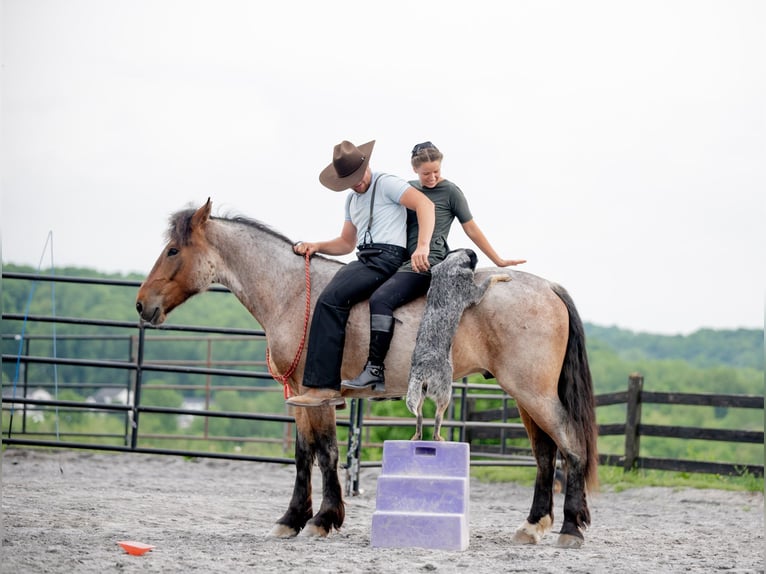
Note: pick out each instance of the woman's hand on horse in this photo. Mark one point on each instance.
(510, 262)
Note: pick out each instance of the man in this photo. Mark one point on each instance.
(375, 222)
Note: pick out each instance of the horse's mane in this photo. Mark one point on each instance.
(180, 227)
(255, 224)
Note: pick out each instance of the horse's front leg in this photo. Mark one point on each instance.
(332, 511)
(300, 509)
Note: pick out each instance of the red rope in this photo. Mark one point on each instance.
(283, 378)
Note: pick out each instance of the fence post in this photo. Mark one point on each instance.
(353, 456)
(463, 414)
(133, 358)
(137, 389)
(466, 433)
(633, 421)
(25, 390)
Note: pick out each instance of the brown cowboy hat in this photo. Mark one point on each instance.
(348, 165)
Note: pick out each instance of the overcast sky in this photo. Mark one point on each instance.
(618, 146)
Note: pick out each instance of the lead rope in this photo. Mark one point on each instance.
(283, 378)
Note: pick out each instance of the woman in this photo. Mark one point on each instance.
(409, 283)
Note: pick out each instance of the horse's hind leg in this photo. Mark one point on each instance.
(576, 512)
(540, 519)
(573, 452)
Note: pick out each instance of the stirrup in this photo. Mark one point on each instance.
(371, 377)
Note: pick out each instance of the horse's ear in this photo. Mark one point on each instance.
(202, 214)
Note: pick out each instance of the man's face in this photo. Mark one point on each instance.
(364, 183)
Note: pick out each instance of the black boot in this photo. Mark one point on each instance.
(371, 376)
(381, 333)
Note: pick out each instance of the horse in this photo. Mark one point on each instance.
(526, 333)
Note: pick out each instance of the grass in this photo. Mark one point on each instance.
(615, 479)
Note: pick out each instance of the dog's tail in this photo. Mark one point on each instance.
(414, 395)
(576, 389)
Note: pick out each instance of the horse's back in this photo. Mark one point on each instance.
(518, 330)
(519, 326)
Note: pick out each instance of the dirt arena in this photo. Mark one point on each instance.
(65, 512)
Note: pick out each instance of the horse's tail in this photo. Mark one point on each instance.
(576, 389)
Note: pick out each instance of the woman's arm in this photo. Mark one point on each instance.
(477, 236)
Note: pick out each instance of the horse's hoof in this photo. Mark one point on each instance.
(569, 541)
(314, 531)
(283, 531)
(525, 537)
(532, 533)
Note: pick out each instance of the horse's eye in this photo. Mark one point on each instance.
(172, 251)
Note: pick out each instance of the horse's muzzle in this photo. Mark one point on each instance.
(146, 317)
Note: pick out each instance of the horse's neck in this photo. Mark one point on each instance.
(261, 270)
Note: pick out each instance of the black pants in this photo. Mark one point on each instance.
(401, 288)
(355, 282)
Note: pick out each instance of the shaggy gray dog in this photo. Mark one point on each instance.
(452, 290)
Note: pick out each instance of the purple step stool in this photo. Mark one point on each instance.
(423, 494)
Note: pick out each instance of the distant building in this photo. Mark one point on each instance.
(111, 396)
(192, 404)
(34, 414)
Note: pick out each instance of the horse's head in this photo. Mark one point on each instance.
(185, 267)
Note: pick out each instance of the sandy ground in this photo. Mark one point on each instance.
(214, 516)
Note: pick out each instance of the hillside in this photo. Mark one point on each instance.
(703, 348)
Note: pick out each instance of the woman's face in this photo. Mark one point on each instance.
(429, 173)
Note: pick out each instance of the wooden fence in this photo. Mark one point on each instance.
(493, 442)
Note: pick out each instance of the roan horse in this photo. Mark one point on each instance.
(526, 333)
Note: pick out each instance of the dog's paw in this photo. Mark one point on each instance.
(501, 277)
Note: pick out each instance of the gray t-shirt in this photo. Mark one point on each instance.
(389, 217)
(449, 203)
